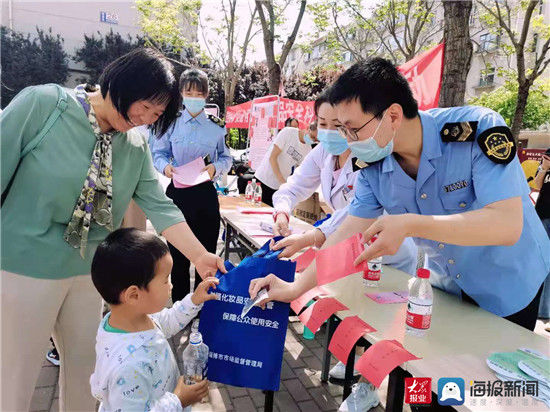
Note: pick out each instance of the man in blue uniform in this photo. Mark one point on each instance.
(451, 179)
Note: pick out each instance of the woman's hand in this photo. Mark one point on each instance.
(201, 294)
(293, 244)
(169, 171)
(277, 289)
(280, 228)
(208, 264)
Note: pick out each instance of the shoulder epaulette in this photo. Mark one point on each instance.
(216, 120)
(358, 164)
(459, 132)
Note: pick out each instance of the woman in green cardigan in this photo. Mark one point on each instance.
(71, 165)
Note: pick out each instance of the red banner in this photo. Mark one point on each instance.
(424, 74)
(303, 111)
(238, 116)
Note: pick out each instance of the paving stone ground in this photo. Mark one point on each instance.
(301, 388)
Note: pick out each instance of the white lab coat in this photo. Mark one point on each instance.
(317, 169)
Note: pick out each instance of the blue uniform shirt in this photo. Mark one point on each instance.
(189, 139)
(454, 178)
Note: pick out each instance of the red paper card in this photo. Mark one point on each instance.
(345, 336)
(298, 304)
(380, 359)
(314, 316)
(336, 262)
(305, 259)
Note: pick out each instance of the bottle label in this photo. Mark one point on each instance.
(258, 198)
(248, 196)
(419, 314)
(371, 274)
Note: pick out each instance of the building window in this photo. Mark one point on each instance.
(315, 54)
(307, 57)
(487, 77)
(488, 42)
(346, 56)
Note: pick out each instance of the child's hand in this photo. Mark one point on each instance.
(201, 293)
(190, 394)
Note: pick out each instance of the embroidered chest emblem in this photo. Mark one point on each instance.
(461, 184)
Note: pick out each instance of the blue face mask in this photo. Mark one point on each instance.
(194, 104)
(368, 150)
(308, 140)
(332, 141)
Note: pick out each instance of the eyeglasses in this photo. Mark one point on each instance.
(352, 133)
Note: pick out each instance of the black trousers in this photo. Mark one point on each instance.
(527, 317)
(201, 209)
(267, 194)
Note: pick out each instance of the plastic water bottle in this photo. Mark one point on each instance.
(249, 192)
(195, 357)
(258, 194)
(371, 276)
(419, 307)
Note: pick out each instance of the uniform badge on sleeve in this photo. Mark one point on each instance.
(498, 144)
(459, 132)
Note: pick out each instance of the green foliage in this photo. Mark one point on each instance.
(28, 61)
(504, 99)
(98, 51)
(395, 29)
(164, 22)
(236, 138)
(309, 85)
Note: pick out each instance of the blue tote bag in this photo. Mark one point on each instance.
(247, 351)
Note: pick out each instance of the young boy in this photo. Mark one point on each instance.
(135, 367)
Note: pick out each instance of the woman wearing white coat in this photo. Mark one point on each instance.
(331, 166)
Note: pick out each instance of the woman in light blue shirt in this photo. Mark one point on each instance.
(195, 134)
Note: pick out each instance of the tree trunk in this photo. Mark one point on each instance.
(458, 52)
(517, 122)
(274, 80)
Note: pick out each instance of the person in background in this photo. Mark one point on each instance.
(195, 134)
(62, 199)
(542, 183)
(292, 122)
(286, 153)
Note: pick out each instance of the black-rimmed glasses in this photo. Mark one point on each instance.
(352, 133)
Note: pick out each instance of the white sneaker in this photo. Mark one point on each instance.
(338, 371)
(362, 398)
